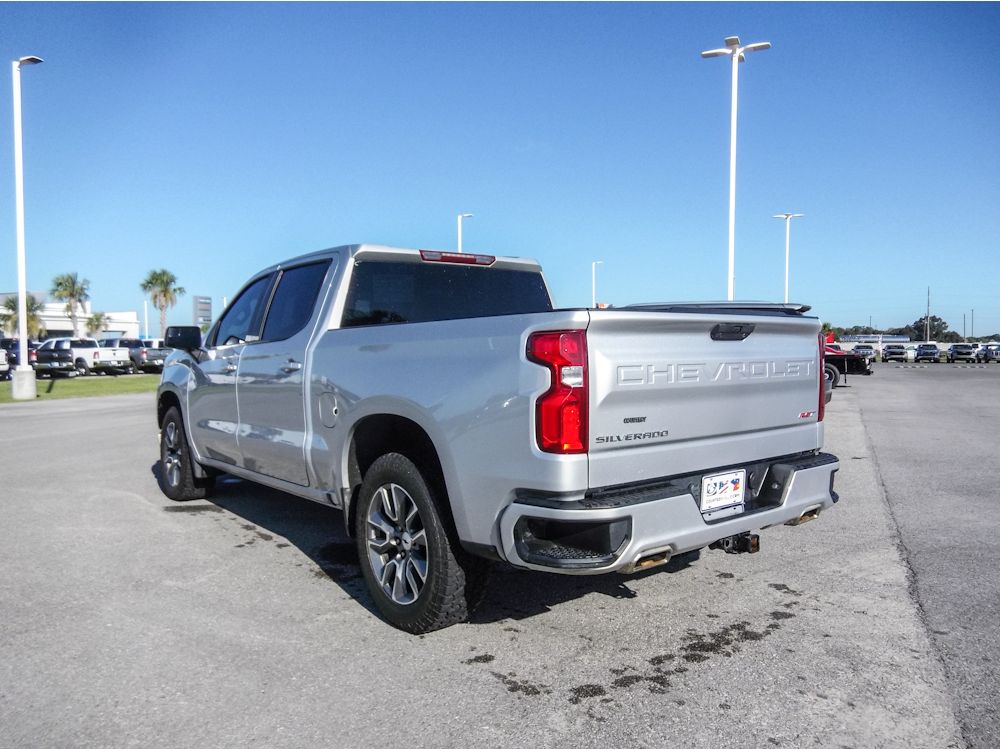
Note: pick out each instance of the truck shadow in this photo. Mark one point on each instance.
(318, 532)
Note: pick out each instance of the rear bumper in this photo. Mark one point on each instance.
(622, 530)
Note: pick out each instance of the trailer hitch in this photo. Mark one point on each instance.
(738, 543)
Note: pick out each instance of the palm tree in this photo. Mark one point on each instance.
(9, 320)
(97, 323)
(69, 288)
(160, 286)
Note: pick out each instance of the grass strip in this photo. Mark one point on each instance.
(91, 385)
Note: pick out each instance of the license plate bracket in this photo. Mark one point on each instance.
(724, 490)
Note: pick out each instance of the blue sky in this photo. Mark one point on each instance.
(215, 139)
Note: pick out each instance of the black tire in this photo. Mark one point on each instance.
(176, 474)
(832, 374)
(82, 368)
(402, 535)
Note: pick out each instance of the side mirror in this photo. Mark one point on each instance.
(187, 338)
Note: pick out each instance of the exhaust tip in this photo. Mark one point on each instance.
(809, 515)
(650, 559)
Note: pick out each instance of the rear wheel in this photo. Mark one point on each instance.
(82, 368)
(418, 574)
(177, 479)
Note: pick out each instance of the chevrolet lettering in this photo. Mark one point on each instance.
(670, 373)
(459, 421)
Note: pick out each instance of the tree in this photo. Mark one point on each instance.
(74, 291)
(162, 288)
(9, 319)
(938, 329)
(97, 323)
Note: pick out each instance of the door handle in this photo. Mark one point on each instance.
(292, 366)
(230, 367)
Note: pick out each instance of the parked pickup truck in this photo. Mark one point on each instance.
(54, 357)
(89, 356)
(455, 417)
(144, 356)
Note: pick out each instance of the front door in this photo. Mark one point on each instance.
(213, 398)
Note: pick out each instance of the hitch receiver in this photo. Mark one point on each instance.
(734, 545)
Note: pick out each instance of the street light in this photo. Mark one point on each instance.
(23, 378)
(788, 226)
(737, 53)
(460, 217)
(593, 282)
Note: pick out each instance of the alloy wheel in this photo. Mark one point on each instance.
(397, 544)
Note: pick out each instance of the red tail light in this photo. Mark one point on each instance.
(561, 412)
(822, 379)
(142, 355)
(32, 355)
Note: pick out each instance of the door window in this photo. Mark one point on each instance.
(294, 300)
(241, 322)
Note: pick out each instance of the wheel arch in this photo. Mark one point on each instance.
(378, 434)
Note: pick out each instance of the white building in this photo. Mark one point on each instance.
(58, 323)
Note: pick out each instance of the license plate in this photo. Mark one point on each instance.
(722, 490)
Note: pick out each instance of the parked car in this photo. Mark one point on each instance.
(928, 352)
(456, 417)
(894, 353)
(144, 356)
(961, 353)
(12, 348)
(89, 356)
(988, 353)
(864, 350)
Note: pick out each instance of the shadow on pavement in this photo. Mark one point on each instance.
(318, 532)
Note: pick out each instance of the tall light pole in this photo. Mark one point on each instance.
(460, 217)
(737, 52)
(23, 377)
(593, 282)
(788, 230)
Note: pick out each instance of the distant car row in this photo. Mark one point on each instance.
(84, 356)
(931, 353)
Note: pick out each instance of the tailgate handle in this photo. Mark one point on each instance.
(731, 331)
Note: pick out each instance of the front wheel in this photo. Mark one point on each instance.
(177, 479)
(418, 574)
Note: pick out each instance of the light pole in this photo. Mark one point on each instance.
(460, 217)
(788, 230)
(23, 377)
(736, 51)
(593, 282)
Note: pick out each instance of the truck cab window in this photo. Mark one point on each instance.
(242, 319)
(294, 300)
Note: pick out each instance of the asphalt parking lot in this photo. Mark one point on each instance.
(129, 620)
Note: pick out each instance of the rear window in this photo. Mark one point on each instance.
(84, 344)
(392, 292)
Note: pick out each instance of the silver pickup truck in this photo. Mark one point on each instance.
(455, 417)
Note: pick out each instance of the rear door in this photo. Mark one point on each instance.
(682, 392)
(271, 385)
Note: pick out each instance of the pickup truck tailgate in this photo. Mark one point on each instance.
(670, 391)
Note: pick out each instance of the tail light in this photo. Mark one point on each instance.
(561, 412)
(142, 355)
(822, 379)
(97, 356)
(32, 355)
